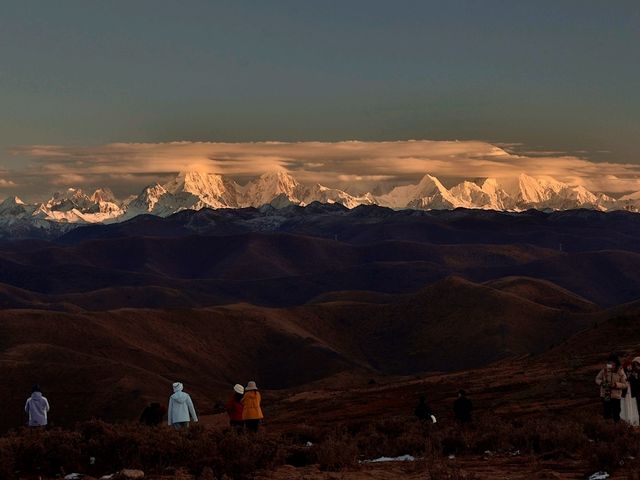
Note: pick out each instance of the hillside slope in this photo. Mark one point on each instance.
(109, 363)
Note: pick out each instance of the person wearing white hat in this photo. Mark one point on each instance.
(252, 411)
(234, 407)
(181, 410)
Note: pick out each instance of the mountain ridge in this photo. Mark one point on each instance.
(192, 190)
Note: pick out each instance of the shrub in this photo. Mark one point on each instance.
(51, 452)
(337, 452)
(7, 465)
(46, 451)
(301, 434)
(594, 443)
(238, 455)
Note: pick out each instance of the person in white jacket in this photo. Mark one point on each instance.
(181, 409)
(37, 407)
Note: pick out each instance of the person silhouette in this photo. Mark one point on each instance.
(37, 407)
(612, 380)
(423, 411)
(235, 408)
(462, 407)
(181, 409)
(152, 415)
(252, 410)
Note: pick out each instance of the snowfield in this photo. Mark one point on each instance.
(279, 189)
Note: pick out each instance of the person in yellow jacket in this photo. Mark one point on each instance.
(251, 413)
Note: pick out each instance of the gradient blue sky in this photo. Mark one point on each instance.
(557, 75)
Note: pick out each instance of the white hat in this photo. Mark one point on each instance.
(238, 388)
(177, 387)
(251, 386)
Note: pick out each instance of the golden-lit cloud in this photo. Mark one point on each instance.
(354, 164)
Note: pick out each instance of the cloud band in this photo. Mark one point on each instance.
(352, 165)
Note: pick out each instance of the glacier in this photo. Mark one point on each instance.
(192, 190)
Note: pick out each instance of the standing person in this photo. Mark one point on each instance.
(423, 411)
(633, 378)
(462, 407)
(251, 411)
(152, 415)
(181, 409)
(234, 407)
(612, 381)
(628, 404)
(37, 407)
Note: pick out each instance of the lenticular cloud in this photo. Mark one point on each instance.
(334, 163)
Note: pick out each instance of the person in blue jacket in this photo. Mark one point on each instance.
(37, 407)
(181, 410)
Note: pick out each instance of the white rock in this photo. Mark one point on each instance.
(401, 458)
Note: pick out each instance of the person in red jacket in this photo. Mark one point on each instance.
(234, 407)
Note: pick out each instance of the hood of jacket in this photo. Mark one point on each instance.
(38, 400)
(180, 397)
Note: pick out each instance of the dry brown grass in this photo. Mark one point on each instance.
(594, 444)
(154, 450)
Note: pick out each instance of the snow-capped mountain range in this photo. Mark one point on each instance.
(196, 190)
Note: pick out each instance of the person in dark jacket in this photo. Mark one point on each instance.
(633, 377)
(462, 407)
(423, 411)
(152, 415)
(235, 408)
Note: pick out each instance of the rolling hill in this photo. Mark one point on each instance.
(108, 316)
(126, 357)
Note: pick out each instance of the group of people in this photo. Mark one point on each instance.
(462, 408)
(244, 409)
(620, 389)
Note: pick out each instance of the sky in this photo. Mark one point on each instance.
(553, 83)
